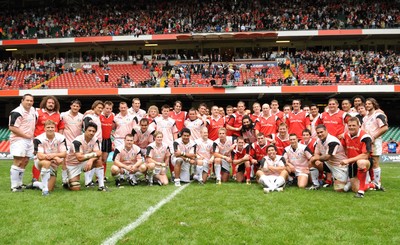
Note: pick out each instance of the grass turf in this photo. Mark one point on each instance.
(228, 214)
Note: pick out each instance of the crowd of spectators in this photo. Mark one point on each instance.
(114, 18)
(350, 65)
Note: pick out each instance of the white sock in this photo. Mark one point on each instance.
(91, 173)
(88, 177)
(100, 176)
(377, 175)
(314, 176)
(14, 176)
(38, 184)
(199, 172)
(64, 176)
(150, 173)
(347, 186)
(217, 171)
(45, 174)
(21, 176)
(279, 182)
(252, 171)
(176, 180)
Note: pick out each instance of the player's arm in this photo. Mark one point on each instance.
(15, 117)
(84, 156)
(177, 152)
(230, 123)
(382, 129)
(366, 150)
(117, 161)
(192, 153)
(289, 166)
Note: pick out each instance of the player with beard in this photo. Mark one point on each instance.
(375, 124)
(48, 110)
(248, 131)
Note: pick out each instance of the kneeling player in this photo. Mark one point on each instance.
(204, 156)
(157, 156)
(241, 160)
(297, 157)
(329, 151)
(184, 156)
(273, 174)
(85, 155)
(358, 145)
(127, 161)
(51, 148)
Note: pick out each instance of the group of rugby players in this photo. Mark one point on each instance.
(298, 145)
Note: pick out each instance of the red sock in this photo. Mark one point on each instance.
(371, 185)
(362, 176)
(371, 174)
(233, 169)
(105, 168)
(35, 173)
(248, 170)
(328, 181)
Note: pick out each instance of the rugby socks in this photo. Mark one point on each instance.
(234, 170)
(314, 176)
(150, 173)
(64, 176)
(37, 184)
(45, 174)
(377, 175)
(88, 177)
(279, 182)
(361, 175)
(217, 168)
(199, 172)
(248, 171)
(15, 173)
(371, 174)
(100, 176)
(35, 172)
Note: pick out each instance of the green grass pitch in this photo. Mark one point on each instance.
(228, 214)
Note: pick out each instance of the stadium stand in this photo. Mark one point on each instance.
(100, 19)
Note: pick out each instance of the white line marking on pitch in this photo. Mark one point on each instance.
(145, 216)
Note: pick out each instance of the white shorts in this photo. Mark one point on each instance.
(226, 165)
(206, 167)
(270, 181)
(118, 143)
(22, 148)
(338, 172)
(75, 170)
(299, 172)
(185, 169)
(377, 147)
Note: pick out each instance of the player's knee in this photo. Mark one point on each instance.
(338, 186)
(115, 170)
(142, 168)
(74, 185)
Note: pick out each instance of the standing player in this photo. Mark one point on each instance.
(205, 158)
(314, 117)
(159, 154)
(51, 148)
(85, 155)
(194, 124)
(273, 174)
(202, 111)
(184, 156)
(178, 115)
(334, 119)
(124, 122)
(358, 145)
(375, 124)
(143, 135)
(214, 123)
(297, 120)
(73, 121)
(127, 161)
(267, 123)
(234, 123)
(49, 109)
(222, 149)
(107, 125)
(275, 109)
(297, 157)
(329, 151)
(256, 111)
(135, 109)
(248, 132)
(22, 122)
